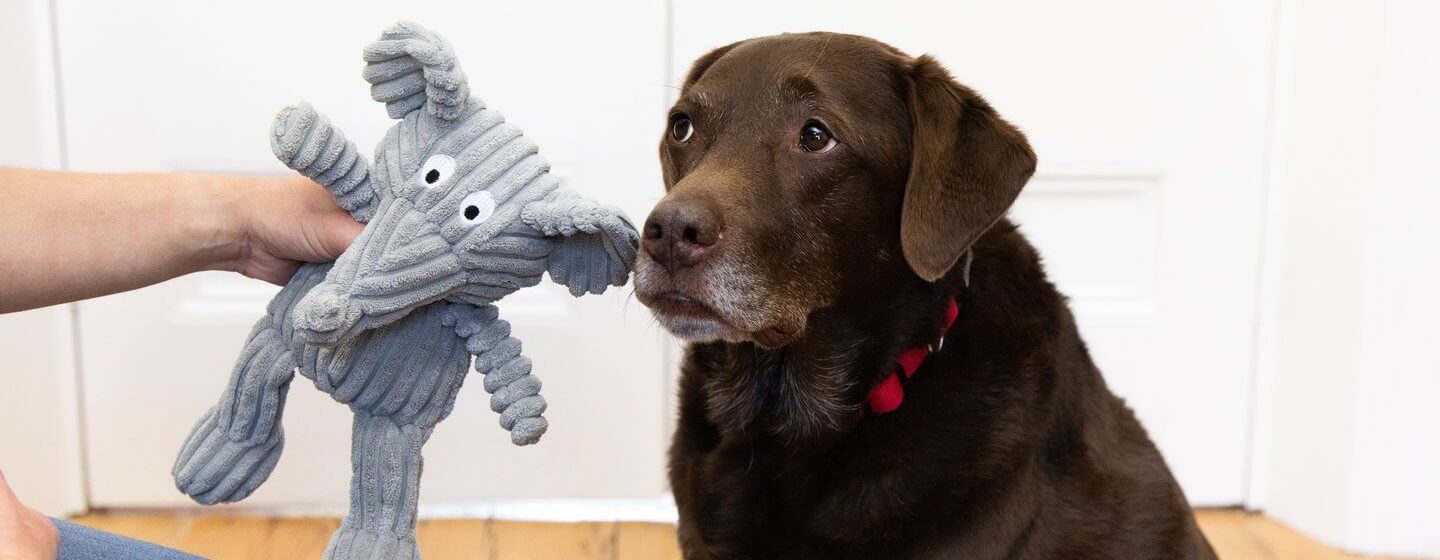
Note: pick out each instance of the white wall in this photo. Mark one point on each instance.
(1348, 449)
(40, 453)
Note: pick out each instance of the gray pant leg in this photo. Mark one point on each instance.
(78, 542)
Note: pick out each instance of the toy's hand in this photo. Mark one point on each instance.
(599, 243)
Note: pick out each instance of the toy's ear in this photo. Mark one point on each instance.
(411, 67)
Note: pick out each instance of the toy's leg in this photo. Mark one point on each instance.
(237, 443)
(399, 386)
(384, 486)
(515, 393)
(235, 446)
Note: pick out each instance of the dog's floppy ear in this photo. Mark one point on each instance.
(967, 165)
(703, 63)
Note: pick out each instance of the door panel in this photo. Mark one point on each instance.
(1149, 120)
(193, 86)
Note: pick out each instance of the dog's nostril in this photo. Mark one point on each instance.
(681, 232)
(703, 234)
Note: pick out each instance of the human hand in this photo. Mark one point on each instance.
(284, 223)
(156, 226)
(25, 534)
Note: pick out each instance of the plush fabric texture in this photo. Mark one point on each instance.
(460, 211)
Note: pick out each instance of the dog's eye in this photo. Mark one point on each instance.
(814, 138)
(477, 207)
(436, 170)
(681, 129)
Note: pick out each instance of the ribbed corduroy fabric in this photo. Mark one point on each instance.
(460, 210)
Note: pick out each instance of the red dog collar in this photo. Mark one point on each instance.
(887, 396)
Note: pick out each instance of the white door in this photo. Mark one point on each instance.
(1149, 119)
(193, 86)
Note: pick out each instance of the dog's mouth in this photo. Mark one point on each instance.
(705, 306)
(688, 317)
(677, 304)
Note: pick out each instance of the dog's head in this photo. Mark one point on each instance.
(806, 170)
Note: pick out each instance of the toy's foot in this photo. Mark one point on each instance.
(212, 468)
(355, 543)
(527, 431)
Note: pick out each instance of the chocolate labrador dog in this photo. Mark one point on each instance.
(878, 366)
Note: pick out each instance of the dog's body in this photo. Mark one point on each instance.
(823, 190)
(1008, 443)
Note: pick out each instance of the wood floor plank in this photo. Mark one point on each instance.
(646, 541)
(1286, 544)
(462, 539)
(161, 529)
(258, 538)
(1234, 535)
(513, 540)
(1253, 536)
(1230, 536)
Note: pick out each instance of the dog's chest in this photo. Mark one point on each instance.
(747, 500)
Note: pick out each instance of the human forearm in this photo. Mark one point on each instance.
(68, 236)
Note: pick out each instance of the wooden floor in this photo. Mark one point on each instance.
(1234, 534)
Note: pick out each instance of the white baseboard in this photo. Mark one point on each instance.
(657, 510)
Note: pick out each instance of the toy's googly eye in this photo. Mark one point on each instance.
(436, 170)
(477, 207)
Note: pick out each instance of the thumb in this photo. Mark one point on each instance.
(336, 232)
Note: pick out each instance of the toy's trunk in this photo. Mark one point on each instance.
(398, 263)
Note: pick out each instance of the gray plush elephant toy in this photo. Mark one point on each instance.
(460, 210)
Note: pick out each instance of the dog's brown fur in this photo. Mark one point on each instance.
(1008, 444)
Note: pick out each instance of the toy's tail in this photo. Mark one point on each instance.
(305, 141)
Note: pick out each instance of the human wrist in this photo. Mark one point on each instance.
(216, 220)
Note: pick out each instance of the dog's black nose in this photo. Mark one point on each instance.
(682, 232)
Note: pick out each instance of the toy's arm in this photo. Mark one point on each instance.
(598, 245)
(515, 393)
(306, 141)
